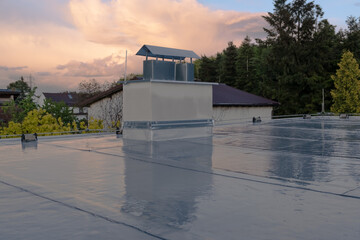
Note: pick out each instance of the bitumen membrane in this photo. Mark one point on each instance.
(279, 179)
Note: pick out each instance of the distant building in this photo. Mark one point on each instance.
(229, 105)
(106, 106)
(71, 99)
(7, 95)
(233, 105)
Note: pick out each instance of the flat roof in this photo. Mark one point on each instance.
(279, 179)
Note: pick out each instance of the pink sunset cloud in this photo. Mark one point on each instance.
(90, 39)
(181, 24)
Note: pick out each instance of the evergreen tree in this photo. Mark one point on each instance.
(229, 73)
(346, 94)
(291, 36)
(352, 36)
(208, 69)
(246, 69)
(326, 53)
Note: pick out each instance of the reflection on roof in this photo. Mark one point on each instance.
(280, 179)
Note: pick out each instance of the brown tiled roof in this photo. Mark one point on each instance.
(105, 94)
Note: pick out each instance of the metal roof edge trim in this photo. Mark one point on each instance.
(246, 105)
(171, 81)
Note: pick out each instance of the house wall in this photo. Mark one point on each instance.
(107, 109)
(234, 114)
(40, 99)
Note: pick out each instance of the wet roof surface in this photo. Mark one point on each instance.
(283, 179)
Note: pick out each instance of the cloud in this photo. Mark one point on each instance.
(108, 69)
(183, 24)
(61, 42)
(357, 4)
(42, 74)
(103, 67)
(5, 68)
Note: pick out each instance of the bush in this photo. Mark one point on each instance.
(40, 121)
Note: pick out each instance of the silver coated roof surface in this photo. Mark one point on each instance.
(281, 179)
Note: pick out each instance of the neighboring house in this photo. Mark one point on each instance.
(71, 99)
(233, 105)
(7, 95)
(229, 105)
(106, 106)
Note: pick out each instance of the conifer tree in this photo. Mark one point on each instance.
(246, 79)
(229, 73)
(346, 95)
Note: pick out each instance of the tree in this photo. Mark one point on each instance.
(352, 36)
(109, 110)
(290, 38)
(208, 69)
(20, 85)
(59, 110)
(346, 94)
(246, 68)
(19, 109)
(89, 88)
(37, 121)
(229, 73)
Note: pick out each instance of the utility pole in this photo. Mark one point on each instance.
(323, 102)
(125, 67)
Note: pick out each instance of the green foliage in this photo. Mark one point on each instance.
(352, 36)
(293, 64)
(246, 67)
(19, 109)
(59, 110)
(37, 121)
(228, 66)
(95, 124)
(292, 59)
(22, 86)
(208, 69)
(346, 94)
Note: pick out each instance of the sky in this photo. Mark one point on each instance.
(60, 43)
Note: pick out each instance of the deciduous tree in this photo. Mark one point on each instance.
(59, 110)
(346, 94)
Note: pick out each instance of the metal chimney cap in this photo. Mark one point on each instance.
(166, 53)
